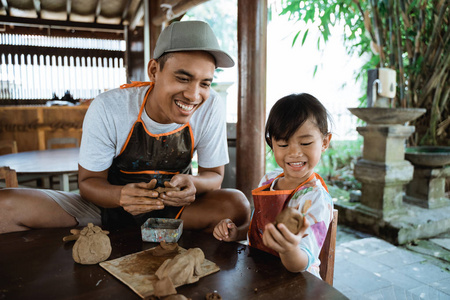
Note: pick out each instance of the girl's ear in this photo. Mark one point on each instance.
(326, 141)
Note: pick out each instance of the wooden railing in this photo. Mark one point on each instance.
(40, 67)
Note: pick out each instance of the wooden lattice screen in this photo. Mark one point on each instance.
(41, 67)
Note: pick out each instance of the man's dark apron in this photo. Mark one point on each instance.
(146, 156)
(268, 204)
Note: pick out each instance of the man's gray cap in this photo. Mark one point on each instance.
(191, 36)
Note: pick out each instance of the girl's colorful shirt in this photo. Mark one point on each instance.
(316, 204)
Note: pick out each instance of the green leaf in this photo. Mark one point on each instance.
(295, 38)
(304, 36)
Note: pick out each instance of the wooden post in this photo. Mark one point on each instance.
(252, 44)
(151, 31)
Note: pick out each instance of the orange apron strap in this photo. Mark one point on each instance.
(322, 181)
(179, 213)
(135, 84)
(263, 187)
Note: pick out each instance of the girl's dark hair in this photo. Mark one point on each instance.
(290, 112)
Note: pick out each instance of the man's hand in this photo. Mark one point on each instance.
(139, 198)
(186, 194)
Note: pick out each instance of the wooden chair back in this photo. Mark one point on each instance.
(10, 177)
(327, 254)
(64, 142)
(8, 146)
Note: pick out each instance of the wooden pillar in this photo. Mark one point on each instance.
(252, 45)
(151, 31)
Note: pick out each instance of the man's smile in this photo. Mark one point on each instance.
(183, 106)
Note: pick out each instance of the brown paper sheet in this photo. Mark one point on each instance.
(137, 270)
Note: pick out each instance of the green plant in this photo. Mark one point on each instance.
(410, 36)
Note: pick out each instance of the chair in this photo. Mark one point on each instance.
(327, 253)
(9, 145)
(63, 142)
(10, 177)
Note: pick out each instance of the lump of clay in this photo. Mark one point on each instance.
(184, 268)
(213, 296)
(93, 246)
(166, 189)
(165, 249)
(176, 297)
(290, 217)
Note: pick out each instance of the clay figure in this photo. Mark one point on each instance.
(290, 217)
(164, 287)
(184, 268)
(92, 246)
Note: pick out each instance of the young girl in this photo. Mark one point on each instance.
(297, 132)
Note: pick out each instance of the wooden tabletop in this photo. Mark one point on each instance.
(51, 161)
(61, 162)
(37, 264)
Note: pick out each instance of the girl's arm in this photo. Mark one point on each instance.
(286, 244)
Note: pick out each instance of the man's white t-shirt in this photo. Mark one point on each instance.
(111, 116)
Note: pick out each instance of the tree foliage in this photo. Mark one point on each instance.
(410, 36)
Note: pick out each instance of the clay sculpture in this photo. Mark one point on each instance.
(92, 246)
(290, 217)
(164, 287)
(184, 268)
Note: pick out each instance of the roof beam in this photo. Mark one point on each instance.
(138, 15)
(6, 6)
(177, 10)
(37, 8)
(63, 32)
(125, 12)
(68, 9)
(98, 9)
(56, 24)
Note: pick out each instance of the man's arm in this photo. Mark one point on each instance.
(208, 179)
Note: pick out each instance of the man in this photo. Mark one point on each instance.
(144, 135)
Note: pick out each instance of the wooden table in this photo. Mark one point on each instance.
(37, 264)
(51, 162)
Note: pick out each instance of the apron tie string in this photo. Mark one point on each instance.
(135, 84)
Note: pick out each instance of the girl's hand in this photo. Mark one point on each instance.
(282, 240)
(226, 231)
